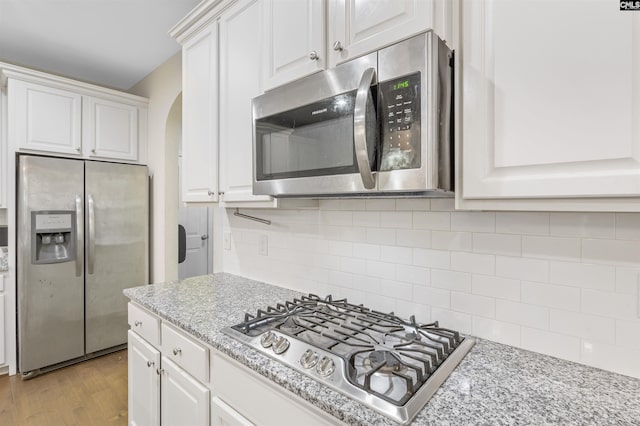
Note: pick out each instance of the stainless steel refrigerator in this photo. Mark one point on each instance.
(82, 238)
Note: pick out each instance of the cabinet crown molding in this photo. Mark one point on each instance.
(203, 14)
(26, 74)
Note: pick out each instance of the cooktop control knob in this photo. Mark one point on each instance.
(309, 359)
(325, 367)
(267, 339)
(280, 345)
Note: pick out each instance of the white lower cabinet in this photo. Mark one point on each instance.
(144, 382)
(184, 401)
(223, 415)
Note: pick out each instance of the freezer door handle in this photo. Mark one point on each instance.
(91, 247)
(79, 236)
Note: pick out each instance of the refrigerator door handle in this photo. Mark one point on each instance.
(79, 236)
(91, 247)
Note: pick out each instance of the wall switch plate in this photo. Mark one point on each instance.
(226, 240)
(263, 245)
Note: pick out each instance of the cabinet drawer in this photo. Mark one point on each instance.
(185, 352)
(145, 324)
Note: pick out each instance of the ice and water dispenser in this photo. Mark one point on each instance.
(53, 236)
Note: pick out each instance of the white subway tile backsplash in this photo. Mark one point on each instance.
(432, 296)
(498, 331)
(525, 223)
(552, 296)
(366, 251)
(588, 225)
(565, 284)
(554, 344)
(612, 305)
(413, 238)
(590, 327)
(522, 314)
(473, 221)
(403, 220)
(500, 288)
(616, 252)
(454, 241)
(602, 355)
(451, 280)
(597, 277)
(381, 236)
(442, 204)
(551, 248)
(431, 258)
(627, 226)
(454, 320)
(413, 204)
(522, 268)
(413, 274)
(473, 304)
(432, 220)
(472, 262)
(504, 244)
(380, 204)
(392, 254)
(369, 219)
(381, 269)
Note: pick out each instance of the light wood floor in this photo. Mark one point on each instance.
(90, 393)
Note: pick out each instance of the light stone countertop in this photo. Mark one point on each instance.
(494, 384)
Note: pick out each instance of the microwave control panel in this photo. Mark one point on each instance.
(399, 106)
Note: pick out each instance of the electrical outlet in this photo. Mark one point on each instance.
(226, 240)
(263, 245)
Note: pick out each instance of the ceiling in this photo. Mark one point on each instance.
(113, 43)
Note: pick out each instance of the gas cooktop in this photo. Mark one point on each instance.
(387, 363)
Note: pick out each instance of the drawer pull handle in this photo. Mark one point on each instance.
(150, 363)
(177, 351)
(137, 323)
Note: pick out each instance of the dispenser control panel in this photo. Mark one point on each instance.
(53, 236)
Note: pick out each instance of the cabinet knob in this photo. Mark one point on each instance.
(337, 46)
(314, 55)
(159, 371)
(93, 150)
(177, 351)
(150, 363)
(137, 323)
(204, 237)
(79, 149)
(211, 193)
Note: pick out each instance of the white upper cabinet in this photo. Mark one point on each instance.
(60, 116)
(200, 116)
(357, 27)
(44, 118)
(110, 129)
(294, 43)
(550, 97)
(240, 81)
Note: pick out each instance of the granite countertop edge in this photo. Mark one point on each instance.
(494, 383)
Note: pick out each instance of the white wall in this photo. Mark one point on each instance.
(162, 87)
(563, 284)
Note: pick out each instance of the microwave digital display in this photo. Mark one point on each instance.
(399, 115)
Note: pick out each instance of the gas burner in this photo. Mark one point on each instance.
(385, 362)
(390, 364)
(290, 326)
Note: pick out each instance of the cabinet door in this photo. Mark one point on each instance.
(144, 382)
(44, 118)
(110, 129)
(357, 27)
(184, 400)
(240, 75)
(200, 116)
(223, 415)
(552, 113)
(294, 40)
(3, 150)
(3, 357)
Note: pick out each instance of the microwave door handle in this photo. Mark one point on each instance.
(360, 128)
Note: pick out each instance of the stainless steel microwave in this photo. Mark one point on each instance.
(380, 124)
